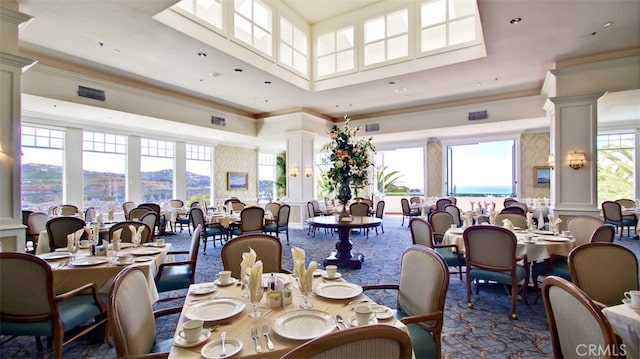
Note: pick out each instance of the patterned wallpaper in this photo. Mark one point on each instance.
(434, 168)
(236, 159)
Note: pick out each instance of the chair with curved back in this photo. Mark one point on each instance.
(126, 234)
(179, 274)
(582, 227)
(371, 341)
(311, 214)
(440, 221)
(360, 209)
(612, 212)
(59, 227)
(407, 212)
(282, 224)
(161, 221)
(507, 201)
(183, 218)
(214, 230)
(317, 211)
(604, 271)
(68, 210)
(518, 220)
(422, 233)
(132, 319)
(574, 319)
(422, 292)
(273, 208)
(364, 200)
(90, 214)
(268, 249)
(491, 256)
(379, 214)
(521, 205)
(150, 219)
(36, 222)
(251, 221)
(512, 209)
(31, 307)
(136, 213)
(441, 202)
(127, 207)
(455, 213)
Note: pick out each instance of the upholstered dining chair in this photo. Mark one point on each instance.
(582, 227)
(179, 274)
(127, 207)
(251, 221)
(612, 212)
(422, 233)
(422, 291)
(126, 235)
(183, 218)
(407, 212)
(268, 249)
(379, 214)
(604, 271)
(68, 210)
(90, 214)
(273, 208)
(366, 342)
(518, 220)
(136, 213)
(31, 307)
(454, 211)
(36, 222)
(491, 256)
(574, 320)
(317, 211)
(151, 220)
(282, 222)
(310, 214)
(440, 221)
(361, 209)
(132, 318)
(441, 202)
(513, 209)
(213, 230)
(161, 221)
(59, 227)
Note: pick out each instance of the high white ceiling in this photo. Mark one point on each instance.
(518, 56)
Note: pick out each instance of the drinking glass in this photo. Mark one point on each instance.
(255, 296)
(305, 289)
(74, 248)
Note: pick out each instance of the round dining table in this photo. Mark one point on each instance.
(343, 256)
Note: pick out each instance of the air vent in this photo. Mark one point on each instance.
(218, 121)
(478, 115)
(93, 94)
(372, 127)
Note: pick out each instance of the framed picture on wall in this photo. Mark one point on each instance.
(237, 181)
(541, 176)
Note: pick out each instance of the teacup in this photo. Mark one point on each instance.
(160, 242)
(224, 277)
(124, 258)
(191, 330)
(453, 226)
(634, 298)
(364, 314)
(565, 234)
(331, 271)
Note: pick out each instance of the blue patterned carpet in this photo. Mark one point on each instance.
(483, 332)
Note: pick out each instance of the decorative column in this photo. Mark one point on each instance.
(12, 231)
(300, 173)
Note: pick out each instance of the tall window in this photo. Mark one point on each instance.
(481, 169)
(266, 177)
(386, 37)
(252, 24)
(446, 23)
(616, 177)
(335, 52)
(293, 47)
(198, 174)
(42, 167)
(156, 167)
(103, 166)
(400, 171)
(207, 10)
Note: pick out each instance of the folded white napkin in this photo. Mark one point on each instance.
(492, 218)
(529, 219)
(554, 223)
(506, 223)
(255, 282)
(298, 255)
(115, 241)
(248, 261)
(467, 220)
(306, 280)
(110, 214)
(472, 206)
(540, 220)
(136, 234)
(71, 242)
(99, 218)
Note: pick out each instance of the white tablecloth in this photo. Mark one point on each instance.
(626, 323)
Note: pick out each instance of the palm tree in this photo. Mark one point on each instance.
(386, 182)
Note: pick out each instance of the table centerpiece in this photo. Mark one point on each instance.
(349, 161)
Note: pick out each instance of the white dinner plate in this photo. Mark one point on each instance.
(212, 349)
(124, 245)
(62, 249)
(304, 324)
(456, 231)
(181, 342)
(555, 239)
(153, 244)
(338, 290)
(354, 322)
(215, 309)
(143, 259)
(547, 233)
(89, 261)
(54, 255)
(382, 311)
(231, 281)
(205, 288)
(284, 278)
(145, 252)
(325, 276)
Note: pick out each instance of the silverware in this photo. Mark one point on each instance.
(341, 321)
(213, 328)
(223, 348)
(254, 335)
(361, 300)
(265, 332)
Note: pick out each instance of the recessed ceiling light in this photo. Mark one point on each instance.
(214, 74)
(401, 90)
(392, 82)
(116, 51)
(608, 23)
(515, 20)
(202, 54)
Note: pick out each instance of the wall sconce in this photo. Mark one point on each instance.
(551, 161)
(577, 159)
(294, 171)
(308, 172)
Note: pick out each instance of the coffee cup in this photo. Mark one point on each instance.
(453, 226)
(224, 277)
(160, 242)
(124, 258)
(364, 315)
(331, 271)
(191, 330)
(634, 298)
(566, 234)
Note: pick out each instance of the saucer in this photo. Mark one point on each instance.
(318, 272)
(125, 263)
(232, 281)
(325, 276)
(628, 302)
(180, 342)
(382, 311)
(354, 322)
(203, 289)
(143, 259)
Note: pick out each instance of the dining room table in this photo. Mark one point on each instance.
(543, 244)
(44, 244)
(225, 309)
(343, 256)
(74, 270)
(625, 322)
